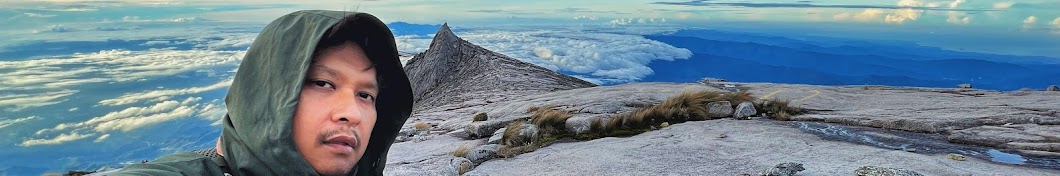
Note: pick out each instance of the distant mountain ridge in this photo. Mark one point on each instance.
(748, 58)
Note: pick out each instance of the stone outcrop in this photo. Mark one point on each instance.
(496, 137)
(460, 165)
(883, 171)
(482, 153)
(453, 70)
(783, 169)
(744, 111)
(719, 109)
(483, 129)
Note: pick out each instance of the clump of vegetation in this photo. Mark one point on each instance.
(513, 143)
(461, 151)
(480, 116)
(421, 126)
(550, 121)
(677, 109)
(688, 106)
(510, 136)
(778, 109)
(536, 108)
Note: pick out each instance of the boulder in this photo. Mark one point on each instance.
(480, 116)
(406, 134)
(581, 123)
(719, 109)
(496, 137)
(883, 171)
(482, 129)
(744, 111)
(783, 169)
(1053, 88)
(460, 165)
(483, 153)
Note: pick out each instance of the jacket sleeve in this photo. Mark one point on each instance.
(175, 164)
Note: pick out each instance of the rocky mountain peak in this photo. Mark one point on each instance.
(453, 71)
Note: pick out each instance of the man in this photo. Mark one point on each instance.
(318, 93)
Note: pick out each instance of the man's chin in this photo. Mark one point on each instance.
(336, 170)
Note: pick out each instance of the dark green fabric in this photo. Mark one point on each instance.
(256, 139)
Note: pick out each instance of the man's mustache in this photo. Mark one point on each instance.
(333, 132)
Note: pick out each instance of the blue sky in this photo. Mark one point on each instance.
(90, 84)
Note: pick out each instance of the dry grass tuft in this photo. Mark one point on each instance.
(550, 121)
(536, 108)
(461, 151)
(778, 109)
(511, 135)
(683, 107)
(421, 126)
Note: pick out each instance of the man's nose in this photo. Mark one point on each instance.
(346, 109)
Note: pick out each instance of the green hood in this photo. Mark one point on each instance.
(256, 138)
(261, 103)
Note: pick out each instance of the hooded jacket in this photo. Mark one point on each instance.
(257, 131)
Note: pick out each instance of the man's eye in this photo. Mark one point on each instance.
(323, 84)
(366, 96)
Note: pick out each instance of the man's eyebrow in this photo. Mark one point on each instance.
(325, 69)
(370, 85)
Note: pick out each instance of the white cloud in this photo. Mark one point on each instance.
(585, 17)
(130, 123)
(1003, 5)
(868, 15)
(22, 101)
(609, 56)
(37, 15)
(56, 28)
(910, 3)
(1030, 20)
(110, 66)
(133, 117)
(62, 138)
(214, 111)
(897, 16)
(413, 43)
(9, 122)
(72, 109)
(954, 17)
(101, 138)
(630, 21)
(160, 95)
(955, 3)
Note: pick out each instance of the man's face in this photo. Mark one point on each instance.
(336, 110)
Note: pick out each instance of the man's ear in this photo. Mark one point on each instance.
(218, 147)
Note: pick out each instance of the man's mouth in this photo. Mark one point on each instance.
(343, 143)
